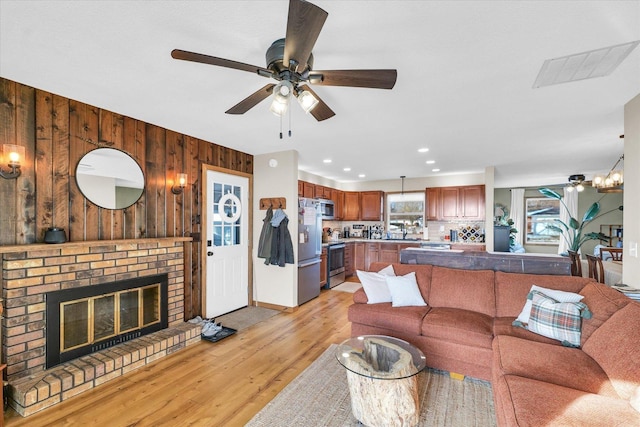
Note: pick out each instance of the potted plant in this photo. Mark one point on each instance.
(574, 229)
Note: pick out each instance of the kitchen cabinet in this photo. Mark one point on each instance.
(351, 211)
(432, 202)
(358, 256)
(371, 254)
(468, 247)
(323, 267)
(322, 192)
(371, 208)
(308, 189)
(455, 203)
(390, 252)
(349, 269)
(300, 188)
(338, 200)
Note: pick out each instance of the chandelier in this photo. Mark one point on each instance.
(611, 182)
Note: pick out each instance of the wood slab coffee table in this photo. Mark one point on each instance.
(381, 372)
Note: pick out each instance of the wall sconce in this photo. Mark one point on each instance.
(181, 181)
(12, 154)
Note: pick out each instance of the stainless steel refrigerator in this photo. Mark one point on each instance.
(309, 239)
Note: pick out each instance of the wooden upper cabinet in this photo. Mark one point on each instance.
(322, 192)
(338, 200)
(432, 203)
(371, 208)
(450, 203)
(351, 210)
(472, 202)
(454, 203)
(308, 189)
(300, 188)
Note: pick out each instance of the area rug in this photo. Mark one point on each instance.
(347, 287)
(319, 396)
(245, 317)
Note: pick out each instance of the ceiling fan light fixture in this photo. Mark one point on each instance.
(307, 101)
(281, 94)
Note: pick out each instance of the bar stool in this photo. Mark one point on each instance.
(576, 265)
(596, 269)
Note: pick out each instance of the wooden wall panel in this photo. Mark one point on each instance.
(61, 176)
(56, 132)
(44, 162)
(8, 213)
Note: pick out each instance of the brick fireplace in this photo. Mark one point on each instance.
(29, 272)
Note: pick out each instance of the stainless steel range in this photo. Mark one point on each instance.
(335, 264)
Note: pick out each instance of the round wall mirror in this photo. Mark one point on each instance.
(110, 178)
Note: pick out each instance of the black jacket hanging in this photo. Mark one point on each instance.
(281, 245)
(264, 244)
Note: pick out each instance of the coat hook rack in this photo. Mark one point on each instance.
(273, 202)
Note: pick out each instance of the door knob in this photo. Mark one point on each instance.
(209, 253)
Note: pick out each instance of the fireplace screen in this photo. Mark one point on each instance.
(83, 320)
(88, 320)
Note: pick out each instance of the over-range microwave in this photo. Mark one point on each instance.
(326, 208)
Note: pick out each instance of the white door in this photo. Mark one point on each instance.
(227, 243)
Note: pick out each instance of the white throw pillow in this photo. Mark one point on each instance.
(404, 290)
(387, 271)
(560, 296)
(375, 286)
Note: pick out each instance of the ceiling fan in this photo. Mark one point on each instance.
(290, 62)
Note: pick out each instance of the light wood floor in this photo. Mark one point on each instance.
(207, 384)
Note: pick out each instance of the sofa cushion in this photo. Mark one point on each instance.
(557, 295)
(406, 319)
(568, 367)
(504, 326)
(471, 290)
(423, 274)
(457, 325)
(558, 320)
(614, 346)
(528, 402)
(512, 289)
(635, 399)
(404, 291)
(603, 301)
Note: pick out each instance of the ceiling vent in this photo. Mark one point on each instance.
(585, 65)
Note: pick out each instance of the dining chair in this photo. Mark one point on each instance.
(596, 269)
(576, 264)
(616, 253)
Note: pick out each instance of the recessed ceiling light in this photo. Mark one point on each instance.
(423, 150)
(430, 162)
(361, 175)
(435, 170)
(347, 169)
(584, 65)
(327, 160)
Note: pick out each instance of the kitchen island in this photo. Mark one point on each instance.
(497, 261)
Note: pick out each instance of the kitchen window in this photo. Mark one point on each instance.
(405, 213)
(541, 212)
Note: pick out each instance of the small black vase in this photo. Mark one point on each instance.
(55, 235)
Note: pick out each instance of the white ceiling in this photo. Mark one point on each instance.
(464, 90)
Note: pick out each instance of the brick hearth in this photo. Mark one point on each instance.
(30, 271)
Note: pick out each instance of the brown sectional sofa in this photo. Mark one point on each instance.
(467, 328)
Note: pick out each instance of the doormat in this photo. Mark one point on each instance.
(225, 332)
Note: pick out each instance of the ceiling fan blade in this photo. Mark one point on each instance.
(221, 62)
(304, 24)
(378, 79)
(321, 111)
(252, 100)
